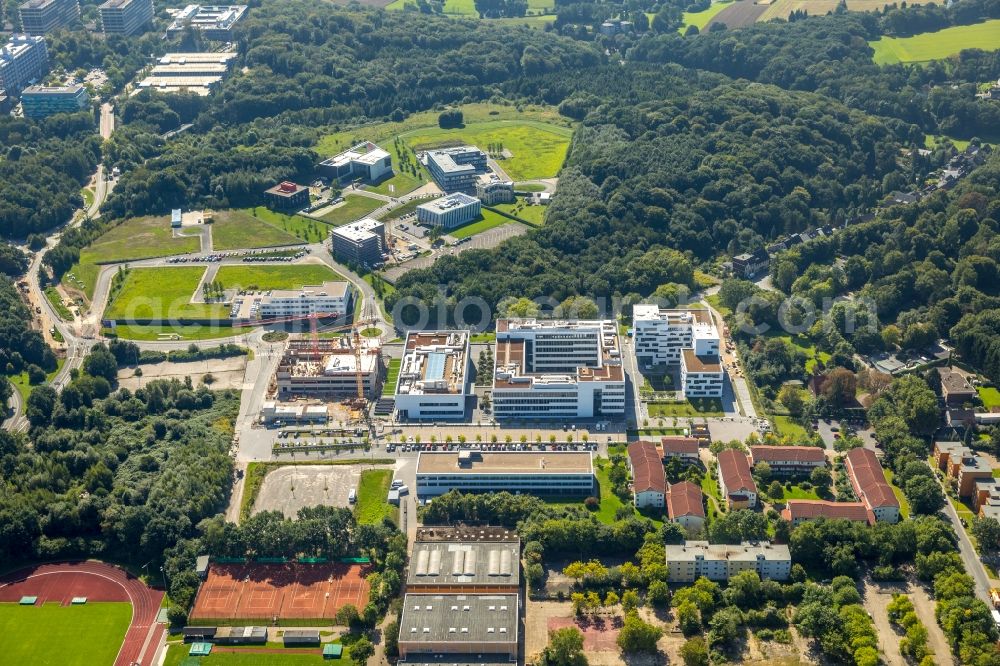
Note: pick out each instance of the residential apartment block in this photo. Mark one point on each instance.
(125, 17)
(869, 484)
(684, 337)
(328, 367)
(649, 482)
(213, 21)
(365, 161)
(683, 448)
(789, 460)
(797, 512)
(686, 507)
(44, 101)
(963, 466)
(456, 169)
(434, 376)
(361, 243)
(748, 265)
(694, 559)
(557, 369)
(735, 479)
(328, 300)
(23, 60)
(449, 212)
(566, 473)
(40, 17)
(491, 189)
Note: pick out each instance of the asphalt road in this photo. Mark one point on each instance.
(969, 557)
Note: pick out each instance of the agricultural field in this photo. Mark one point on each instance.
(782, 8)
(701, 19)
(56, 635)
(354, 208)
(537, 150)
(373, 489)
(739, 14)
(261, 277)
(937, 45)
(162, 293)
(488, 220)
(135, 238)
(242, 229)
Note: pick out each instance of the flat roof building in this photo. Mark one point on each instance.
(361, 243)
(554, 369)
(327, 300)
(462, 624)
(456, 169)
(365, 161)
(434, 376)
(963, 465)
(449, 212)
(693, 559)
(23, 60)
(464, 564)
(44, 101)
(649, 481)
(684, 337)
(789, 460)
(328, 367)
(213, 21)
(735, 480)
(40, 17)
(868, 481)
(569, 473)
(491, 189)
(747, 265)
(199, 73)
(287, 195)
(125, 17)
(797, 512)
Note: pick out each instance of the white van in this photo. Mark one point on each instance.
(353, 497)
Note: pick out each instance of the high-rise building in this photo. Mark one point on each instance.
(40, 17)
(125, 17)
(43, 101)
(23, 61)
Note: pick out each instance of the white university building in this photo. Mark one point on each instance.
(685, 338)
(433, 376)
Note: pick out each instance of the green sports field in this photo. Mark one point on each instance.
(274, 277)
(162, 293)
(937, 45)
(55, 635)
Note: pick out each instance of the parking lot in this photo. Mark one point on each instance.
(288, 489)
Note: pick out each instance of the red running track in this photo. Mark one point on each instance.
(98, 582)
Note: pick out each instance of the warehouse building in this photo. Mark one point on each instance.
(433, 376)
(693, 559)
(684, 337)
(23, 60)
(328, 300)
(213, 21)
(566, 473)
(460, 624)
(44, 101)
(328, 367)
(456, 169)
(868, 480)
(546, 369)
(361, 243)
(365, 161)
(449, 212)
(474, 560)
(789, 460)
(125, 17)
(491, 189)
(40, 17)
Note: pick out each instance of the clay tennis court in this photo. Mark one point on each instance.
(285, 591)
(97, 582)
(599, 634)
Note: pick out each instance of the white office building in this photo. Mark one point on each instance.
(491, 189)
(365, 161)
(330, 299)
(683, 337)
(433, 376)
(449, 212)
(23, 60)
(40, 17)
(545, 369)
(125, 17)
(213, 21)
(456, 169)
(561, 473)
(693, 559)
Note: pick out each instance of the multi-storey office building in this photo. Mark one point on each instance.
(125, 17)
(23, 60)
(44, 101)
(365, 161)
(491, 189)
(40, 17)
(456, 169)
(548, 369)
(328, 368)
(213, 21)
(433, 376)
(687, 338)
(328, 300)
(449, 212)
(361, 243)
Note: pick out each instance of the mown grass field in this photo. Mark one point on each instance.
(937, 45)
(133, 239)
(533, 215)
(402, 182)
(177, 654)
(692, 407)
(537, 150)
(142, 332)
(701, 19)
(55, 635)
(242, 229)
(391, 375)
(787, 427)
(488, 220)
(990, 396)
(354, 208)
(162, 293)
(373, 489)
(275, 276)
